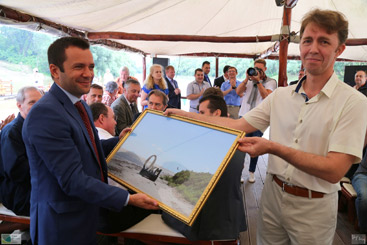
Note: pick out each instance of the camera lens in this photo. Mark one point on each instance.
(252, 71)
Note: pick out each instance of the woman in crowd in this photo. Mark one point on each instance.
(155, 80)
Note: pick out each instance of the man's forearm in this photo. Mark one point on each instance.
(330, 168)
(193, 96)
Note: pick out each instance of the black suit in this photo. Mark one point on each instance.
(174, 99)
(223, 215)
(218, 81)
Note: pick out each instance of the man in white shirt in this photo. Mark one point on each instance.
(317, 132)
(255, 88)
(104, 120)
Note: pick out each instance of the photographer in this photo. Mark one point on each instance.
(257, 86)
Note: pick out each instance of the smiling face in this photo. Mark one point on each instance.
(319, 50)
(360, 78)
(199, 76)
(94, 95)
(78, 71)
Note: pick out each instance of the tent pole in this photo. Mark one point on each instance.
(216, 66)
(283, 48)
(144, 67)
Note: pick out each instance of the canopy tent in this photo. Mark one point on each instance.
(232, 28)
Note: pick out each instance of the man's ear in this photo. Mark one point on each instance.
(55, 71)
(339, 50)
(217, 113)
(101, 118)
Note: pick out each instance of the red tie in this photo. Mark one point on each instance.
(85, 118)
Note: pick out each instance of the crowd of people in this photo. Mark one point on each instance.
(52, 157)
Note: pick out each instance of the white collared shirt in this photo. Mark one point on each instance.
(335, 120)
(103, 134)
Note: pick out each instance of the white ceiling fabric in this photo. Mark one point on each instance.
(193, 17)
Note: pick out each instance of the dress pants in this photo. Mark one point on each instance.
(287, 219)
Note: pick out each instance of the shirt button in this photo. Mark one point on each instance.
(296, 141)
(300, 121)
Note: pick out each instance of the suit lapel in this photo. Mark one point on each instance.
(71, 109)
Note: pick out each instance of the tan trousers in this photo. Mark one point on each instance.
(288, 219)
(233, 111)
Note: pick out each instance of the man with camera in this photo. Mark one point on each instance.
(257, 86)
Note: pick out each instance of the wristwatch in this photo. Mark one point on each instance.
(234, 87)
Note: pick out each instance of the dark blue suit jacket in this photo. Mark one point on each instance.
(174, 99)
(15, 181)
(67, 191)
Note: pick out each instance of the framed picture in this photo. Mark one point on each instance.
(175, 160)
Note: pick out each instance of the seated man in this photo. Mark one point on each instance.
(110, 93)
(125, 106)
(15, 182)
(157, 100)
(104, 120)
(359, 183)
(94, 95)
(223, 216)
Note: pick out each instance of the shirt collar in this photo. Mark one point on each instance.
(328, 88)
(73, 98)
(127, 100)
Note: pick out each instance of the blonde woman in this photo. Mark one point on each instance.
(155, 80)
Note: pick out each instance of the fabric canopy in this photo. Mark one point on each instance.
(220, 18)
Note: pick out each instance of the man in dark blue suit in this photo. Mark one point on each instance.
(174, 94)
(67, 165)
(206, 69)
(15, 181)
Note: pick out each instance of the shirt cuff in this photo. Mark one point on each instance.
(127, 200)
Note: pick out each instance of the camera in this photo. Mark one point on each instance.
(253, 71)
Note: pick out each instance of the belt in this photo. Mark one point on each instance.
(297, 191)
(233, 105)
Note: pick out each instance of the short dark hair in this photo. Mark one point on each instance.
(205, 63)
(232, 67)
(331, 21)
(198, 69)
(213, 91)
(56, 51)
(215, 103)
(96, 86)
(98, 109)
(159, 93)
(225, 69)
(365, 72)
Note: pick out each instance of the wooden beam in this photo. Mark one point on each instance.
(22, 17)
(356, 42)
(283, 48)
(116, 45)
(175, 38)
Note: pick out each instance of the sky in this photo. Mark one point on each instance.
(180, 143)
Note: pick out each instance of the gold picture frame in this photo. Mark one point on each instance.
(175, 160)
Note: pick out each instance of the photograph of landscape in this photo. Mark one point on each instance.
(171, 160)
